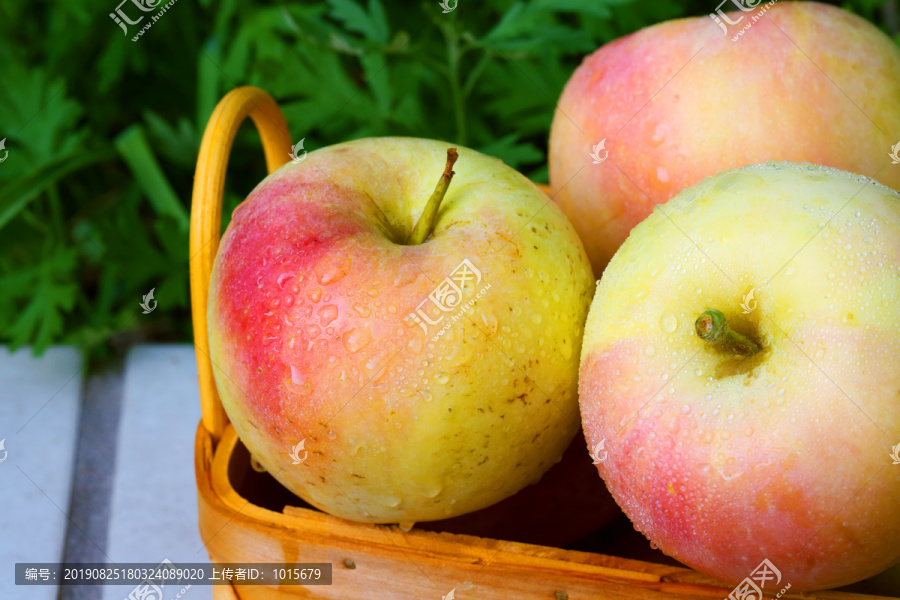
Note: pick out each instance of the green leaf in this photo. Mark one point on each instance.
(377, 76)
(372, 23)
(16, 195)
(53, 292)
(133, 147)
(208, 76)
(512, 152)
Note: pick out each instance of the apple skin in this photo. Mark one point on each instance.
(724, 461)
(311, 338)
(670, 120)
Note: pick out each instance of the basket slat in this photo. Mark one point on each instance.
(392, 564)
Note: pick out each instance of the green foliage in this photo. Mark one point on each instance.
(103, 132)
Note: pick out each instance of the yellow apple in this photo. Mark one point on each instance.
(426, 377)
(725, 456)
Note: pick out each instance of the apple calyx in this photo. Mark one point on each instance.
(711, 327)
(426, 222)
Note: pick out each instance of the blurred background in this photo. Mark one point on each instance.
(102, 132)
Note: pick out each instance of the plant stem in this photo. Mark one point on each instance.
(426, 222)
(711, 327)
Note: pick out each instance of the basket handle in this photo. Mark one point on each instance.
(206, 216)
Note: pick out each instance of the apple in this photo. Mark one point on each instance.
(681, 101)
(773, 443)
(391, 351)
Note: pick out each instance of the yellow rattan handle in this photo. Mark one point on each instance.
(206, 215)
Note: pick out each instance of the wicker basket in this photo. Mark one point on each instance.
(247, 517)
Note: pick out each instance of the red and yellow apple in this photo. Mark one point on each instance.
(681, 101)
(425, 380)
(723, 457)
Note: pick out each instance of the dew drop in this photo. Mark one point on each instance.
(442, 378)
(356, 339)
(649, 351)
(417, 342)
(331, 270)
(668, 322)
(662, 174)
(297, 376)
(362, 310)
(283, 279)
(327, 313)
(659, 134)
(406, 525)
(490, 322)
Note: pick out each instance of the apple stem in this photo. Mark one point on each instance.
(426, 222)
(711, 327)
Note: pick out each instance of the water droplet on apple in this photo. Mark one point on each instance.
(406, 526)
(331, 434)
(417, 343)
(283, 279)
(356, 339)
(868, 239)
(442, 378)
(332, 269)
(649, 351)
(297, 376)
(490, 322)
(313, 330)
(668, 322)
(327, 313)
(391, 502)
(659, 134)
(653, 546)
(662, 174)
(432, 491)
(698, 372)
(315, 294)
(363, 310)
(820, 353)
(686, 409)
